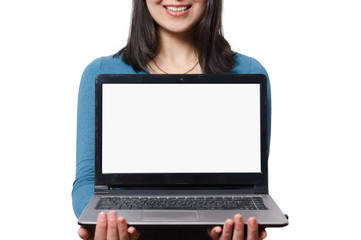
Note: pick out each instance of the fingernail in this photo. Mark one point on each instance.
(121, 220)
(112, 215)
(218, 230)
(252, 221)
(229, 223)
(102, 216)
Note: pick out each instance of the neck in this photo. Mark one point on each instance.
(176, 46)
(176, 53)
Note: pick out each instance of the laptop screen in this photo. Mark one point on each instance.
(181, 128)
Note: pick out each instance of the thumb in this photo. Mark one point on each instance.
(215, 233)
(84, 233)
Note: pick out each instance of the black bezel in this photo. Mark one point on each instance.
(189, 180)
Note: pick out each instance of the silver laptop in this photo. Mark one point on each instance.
(182, 150)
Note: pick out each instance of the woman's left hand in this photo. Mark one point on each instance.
(234, 230)
(110, 228)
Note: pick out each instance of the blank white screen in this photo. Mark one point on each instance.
(181, 128)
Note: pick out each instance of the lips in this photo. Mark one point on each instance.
(177, 10)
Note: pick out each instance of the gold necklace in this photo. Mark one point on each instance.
(168, 73)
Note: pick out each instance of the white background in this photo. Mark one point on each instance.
(310, 48)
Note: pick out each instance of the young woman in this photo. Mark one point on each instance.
(167, 37)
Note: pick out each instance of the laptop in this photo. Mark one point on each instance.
(175, 150)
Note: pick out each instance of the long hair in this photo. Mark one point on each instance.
(214, 52)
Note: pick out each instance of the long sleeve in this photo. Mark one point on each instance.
(83, 187)
(248, 65)
(256, 67)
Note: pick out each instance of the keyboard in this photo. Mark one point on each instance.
(182, 203)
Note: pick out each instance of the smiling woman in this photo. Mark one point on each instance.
(166, 36)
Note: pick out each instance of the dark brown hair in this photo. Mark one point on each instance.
(214, 52)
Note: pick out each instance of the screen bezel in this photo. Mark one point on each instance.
(189, 180)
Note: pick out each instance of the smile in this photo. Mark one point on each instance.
(177, 10)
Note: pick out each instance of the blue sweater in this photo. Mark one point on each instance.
(83, 187)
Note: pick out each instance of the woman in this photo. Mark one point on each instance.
(167, 36)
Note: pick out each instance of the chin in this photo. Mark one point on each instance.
(177, 28)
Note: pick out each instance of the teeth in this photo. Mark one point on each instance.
(176, 9)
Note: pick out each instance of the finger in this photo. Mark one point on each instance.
(227, 230)
(101, 228)
(262, 234)
(112, 231)
(122, 229)
(238, 232)
(215, 233)
(133, 233)
(83, 233)
(252, 229)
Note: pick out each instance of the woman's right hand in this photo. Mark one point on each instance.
(110, 228)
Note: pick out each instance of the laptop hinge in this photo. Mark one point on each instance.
(260, 189)
(101, 189)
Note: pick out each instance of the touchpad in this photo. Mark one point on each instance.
(158, 216)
